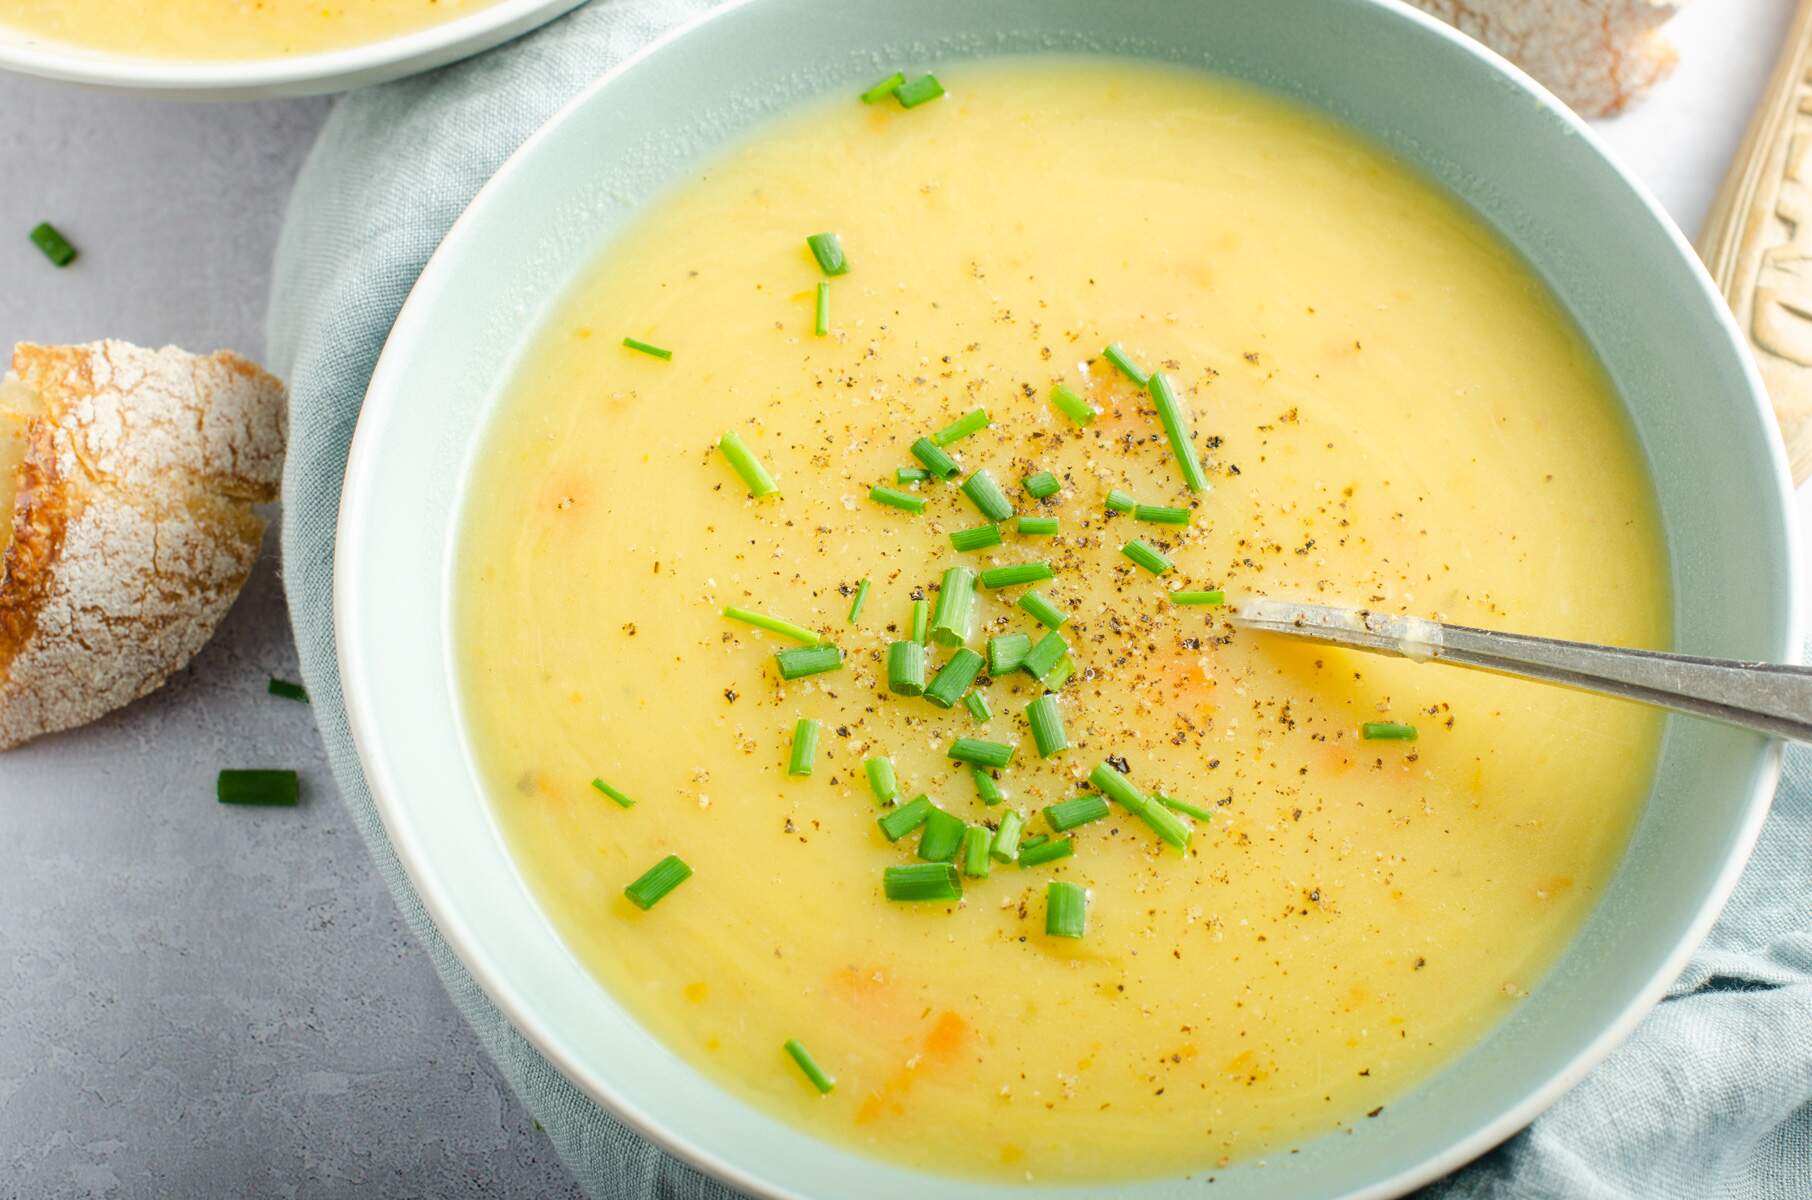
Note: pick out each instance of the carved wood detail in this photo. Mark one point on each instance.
(1757, 241)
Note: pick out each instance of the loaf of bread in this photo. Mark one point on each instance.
(1597, 55)
(129, 476)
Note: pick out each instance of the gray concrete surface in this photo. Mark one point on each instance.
(198, 1001)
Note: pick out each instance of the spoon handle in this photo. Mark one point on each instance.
(1767, 697)
(1757, 240)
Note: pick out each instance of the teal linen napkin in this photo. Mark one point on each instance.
(1711, 1098)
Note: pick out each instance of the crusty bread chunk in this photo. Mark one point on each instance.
(1597, 55)
(127, 477)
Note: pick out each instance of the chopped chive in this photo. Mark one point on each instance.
(1043, 611)
(1006, 651)
(813, 1072)
(922, 881)
(805, 747)
(896, 823)
(936, 461)
(1071, 405)
(1157, 514)
(798, 633)
(894, 498)
(1147, 556)
(1163, 822)
(976, 863)
(881, 779)
(622, 800)
(906, 475)
(827, 248)
(955, 677)
(1200, 814)
(954, 616)
(1176, 428)
(264, 789)
(1016, 573)
(657, 881)
(948, 685)
(979, 538)
(1035, 841)
(1059, 674)
(855, 607)
(1387, 731)
(821, 310)
(1041, 484)
(1045, 716)
(54, 245)
(1119, 501)
(920, 91)
(1167, 825)
(906, 668)
(1005, 846)
(1065, 910)
(884, 89)
(1116, 355)
(1044, 655)
(1217, 596)
(808, 660)
(648, 348)
(1069, 814)
(942, 836)
(980, 753)
(1046, 851)
(986, 495)
(287, 690)
(987, 788)
(977, 704)
(1116, 786)
(973, 421)
(921, 620)
(746, 465)
(1037, 526)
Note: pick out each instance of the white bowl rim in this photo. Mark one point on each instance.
(326, 70)
(348, 584)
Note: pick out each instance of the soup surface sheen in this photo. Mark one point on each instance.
(226, 29)
(1392, 413)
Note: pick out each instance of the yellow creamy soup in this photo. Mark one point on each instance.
(226, 29)
(1390, 412)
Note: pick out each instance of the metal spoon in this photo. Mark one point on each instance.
(1768, 697)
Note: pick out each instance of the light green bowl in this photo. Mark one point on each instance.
(1436, 100)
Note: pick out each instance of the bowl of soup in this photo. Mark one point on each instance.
(783, 578)
(218, 49)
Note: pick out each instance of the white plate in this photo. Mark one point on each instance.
(298, 75)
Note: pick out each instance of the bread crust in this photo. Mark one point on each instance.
(132, 528)
(1597, 55)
